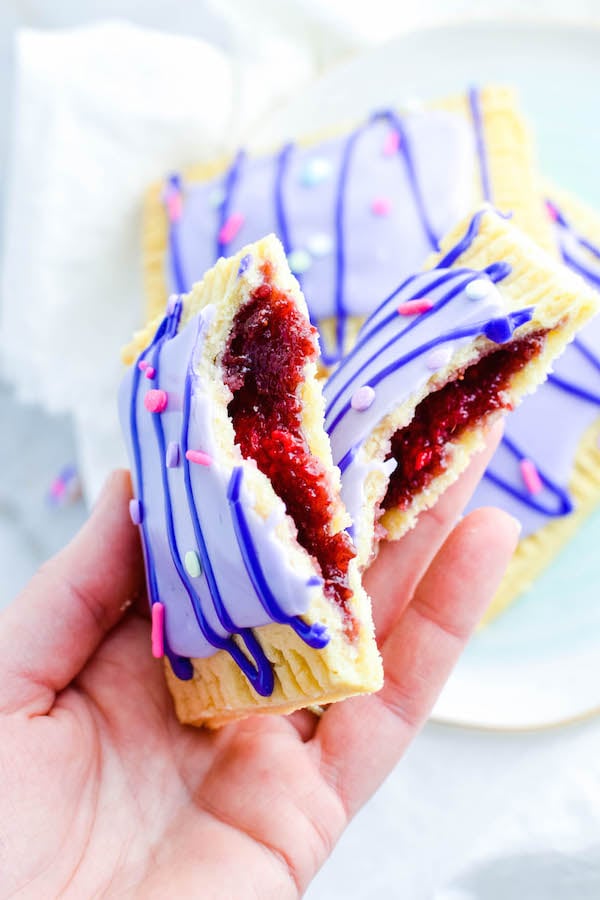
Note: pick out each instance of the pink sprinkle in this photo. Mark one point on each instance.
(362, 398)
(158, 630)
(530, 476)
(392, 143)
(199, 457)
(142, 365)
(552, 210)
(174, 206)
(231, 227)
(414, 307)
(57, 488)
(381, 206)
(150, 372)
(156, 401)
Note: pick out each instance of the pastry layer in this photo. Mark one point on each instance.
(560, 302)
(258, 279)
(343, 203)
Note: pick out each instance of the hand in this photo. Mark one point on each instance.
(105, 794)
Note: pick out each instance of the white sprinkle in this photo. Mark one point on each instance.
(362, 398)
(299, 261)
(216, 198)
(315, 171)
(439, 357)
(192, 565)
(319, 244)
(478, 289)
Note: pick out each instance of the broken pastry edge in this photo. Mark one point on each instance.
(219, 691)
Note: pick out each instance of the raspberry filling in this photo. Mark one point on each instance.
(263, 363)
(445, 414)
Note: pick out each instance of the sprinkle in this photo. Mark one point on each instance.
(530, 476)
(192, 564)
(314, 581)
(156, 401)
(198, 457)
(244, 263)
(439, 357)
(142, 365)
(391, 144)
(315, 171)
(216, 198)
(478, 289)
(498, 330)
(172, 455)
(299, 261)
(171, 304)
(319, 244)
(389, 466)
(381, 206)
(158, 630)
(362, 398)
(150, 372)
(231, 227)
(136, 513)
(174, 207)
(415, 307)
(552, 211)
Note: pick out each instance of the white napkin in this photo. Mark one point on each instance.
(101, 112)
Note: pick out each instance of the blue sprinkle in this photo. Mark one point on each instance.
(315, 171)
(314, 581)
(244, 263)
(498, 330)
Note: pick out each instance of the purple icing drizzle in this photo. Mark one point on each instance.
(475, 107)
(314, 635)
(231, 179)
(174, 185)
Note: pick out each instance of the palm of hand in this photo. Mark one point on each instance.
(105, 794)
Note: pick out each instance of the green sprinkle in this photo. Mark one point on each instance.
(299, 261)
(192, 564)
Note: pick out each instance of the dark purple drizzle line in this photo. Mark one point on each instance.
(231, 180)
(592, 278)
(405, 150)
(280, 213)
(565, 505)
(498, 272)
(475, 106)
(498, 330)
(261, 677)
(182, 667)
(174, 184)
(314, 635)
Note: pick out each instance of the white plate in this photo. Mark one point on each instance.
(539, 664)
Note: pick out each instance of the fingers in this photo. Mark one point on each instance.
(50, 630)
(359, 741)
(394, 575)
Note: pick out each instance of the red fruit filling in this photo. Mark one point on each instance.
(445, 414)
(263, 363)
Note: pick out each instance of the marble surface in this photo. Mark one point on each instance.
(33, 449)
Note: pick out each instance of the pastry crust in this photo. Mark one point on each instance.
(536, 551)
(219, 692)
(562, 304)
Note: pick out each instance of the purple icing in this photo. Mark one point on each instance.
(172, 455)
(428, 181)
(206, 509)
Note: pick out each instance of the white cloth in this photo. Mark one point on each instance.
(103, 110)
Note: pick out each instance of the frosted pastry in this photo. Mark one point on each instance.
(556, 433)
(449, 350)
(356, 212)
(256, 598)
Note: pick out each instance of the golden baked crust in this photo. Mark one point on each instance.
(219, 692)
